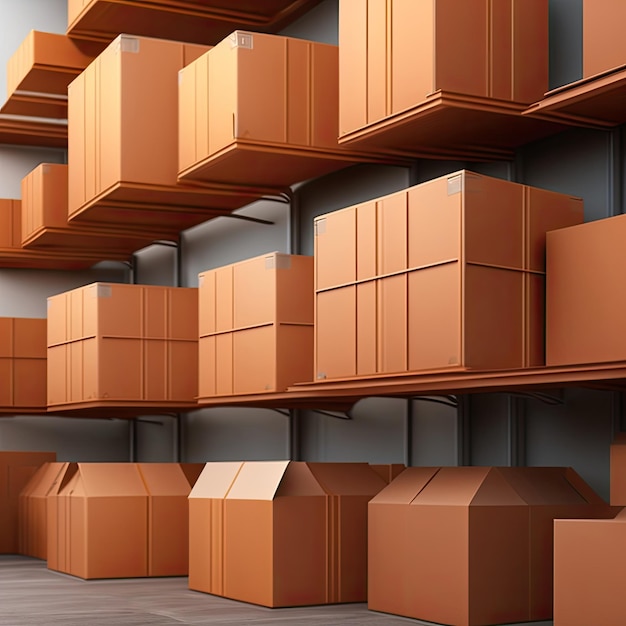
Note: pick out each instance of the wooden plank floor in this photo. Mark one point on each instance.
(31, 594)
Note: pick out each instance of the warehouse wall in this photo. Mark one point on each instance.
(572, 427)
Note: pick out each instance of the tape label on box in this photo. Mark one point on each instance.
(455, 184)
(320, 226)
(241, 40)
(278, 262)
(103, 291)
(129, 44)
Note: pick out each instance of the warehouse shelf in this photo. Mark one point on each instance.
(597, 102)
(341, 394)
(40, 70)
(25, 131)
(198, 22)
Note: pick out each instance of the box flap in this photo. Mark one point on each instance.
(452, 486)
(216, 479)
(298, 480)
(111, 479)
(542, 485)
(495, 490)
(258, 480)
(404, 488)
(164, 479)
(354, 479)
(48, 476)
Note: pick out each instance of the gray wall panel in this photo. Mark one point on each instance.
(233, 434)
(226, 240)
(73, 439)
(566, 27)
(434, 434)
(155, 439)
(319, 24)
(375, 434)
(579, 162)
(576, 434)
(489, 430)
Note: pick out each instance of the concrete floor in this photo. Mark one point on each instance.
(31, 594)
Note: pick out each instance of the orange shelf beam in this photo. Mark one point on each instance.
(198, 22)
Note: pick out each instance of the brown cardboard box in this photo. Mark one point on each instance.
(206, 526)
(123, 142)
(257, 316)
(603, 46)
(13, 255)
(583, 307)
(16, 470)
(420, 279)
(263, 110)
(471, 546)
(102, 522)
(33, 510)
(40, 70)
(293, 533)
(589, 569)
(168, 518)
(439, 76)
(45, 225)
(151, 330)
(23, 364)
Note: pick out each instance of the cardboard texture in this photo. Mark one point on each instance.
(261, 109)
(442, 78)
(589, 568)
(482, 538)
(12, 255)
(23, 364)
(45, 225)
(256, 326)
(16, 470)
(33, 510)
(40, 70)
(583, 308)
(151, 330)
(123, 143)
(281, 533)
(618, 470)
(419, 279)
(603, 46)
(199, 21)
(119, 520)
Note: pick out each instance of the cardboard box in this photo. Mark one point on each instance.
(281, 533)
(119, 520)
(40, 70)
(206, 526)
(16, 470)
(13, 255)
(123, 142)
(45, 226)
(168, 518)
(471, 546)
(583, 307)
(441, 78)
(261, 109)
(33, 510)
(23, 364)
(603, 47)
(151, 330)
(589, 567)
(420, 279)
(102, 518)
(257, 316)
